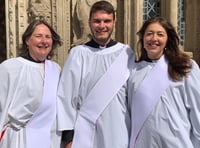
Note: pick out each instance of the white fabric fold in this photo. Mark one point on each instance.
(39, 127)
(107, 87)
(147, 96)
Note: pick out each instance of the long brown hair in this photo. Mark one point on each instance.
(179, 63)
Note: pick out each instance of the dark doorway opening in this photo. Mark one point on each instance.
(2, 31)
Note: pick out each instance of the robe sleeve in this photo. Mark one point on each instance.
(68, 90)
(67, 136)
(192, 86)
(4, 101)
(20, 92)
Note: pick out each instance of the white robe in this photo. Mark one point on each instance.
(21, 92)
(175, 120)
(84, 67)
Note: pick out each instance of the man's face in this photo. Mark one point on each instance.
(102, 25)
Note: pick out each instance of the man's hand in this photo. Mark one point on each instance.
(69, 145)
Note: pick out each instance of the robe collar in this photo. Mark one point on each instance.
(28, 57)
(94, 44)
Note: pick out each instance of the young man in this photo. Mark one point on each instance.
(92, 99)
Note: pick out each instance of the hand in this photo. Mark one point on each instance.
(69, 145)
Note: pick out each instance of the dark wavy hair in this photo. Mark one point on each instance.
(179, 63)
(102, 5)
(30, 29)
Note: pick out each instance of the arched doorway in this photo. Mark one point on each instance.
(2, 32)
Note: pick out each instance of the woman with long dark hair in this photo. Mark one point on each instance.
(164, 90)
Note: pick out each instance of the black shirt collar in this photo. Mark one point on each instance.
(94, 44)
(28, 57)
(148, 60)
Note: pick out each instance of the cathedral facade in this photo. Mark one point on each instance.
(70, 17)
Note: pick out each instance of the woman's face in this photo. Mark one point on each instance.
(40, 43)
(155, 40)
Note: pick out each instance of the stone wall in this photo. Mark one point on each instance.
(70, 17)
(192, 29)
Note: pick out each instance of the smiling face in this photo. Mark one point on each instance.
(101, 25)
(155, 40)
(40, 43)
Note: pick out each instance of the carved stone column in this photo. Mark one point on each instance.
(132, 20)
(192, 38)
(169, 9)
(11, 44)
(63, 23)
